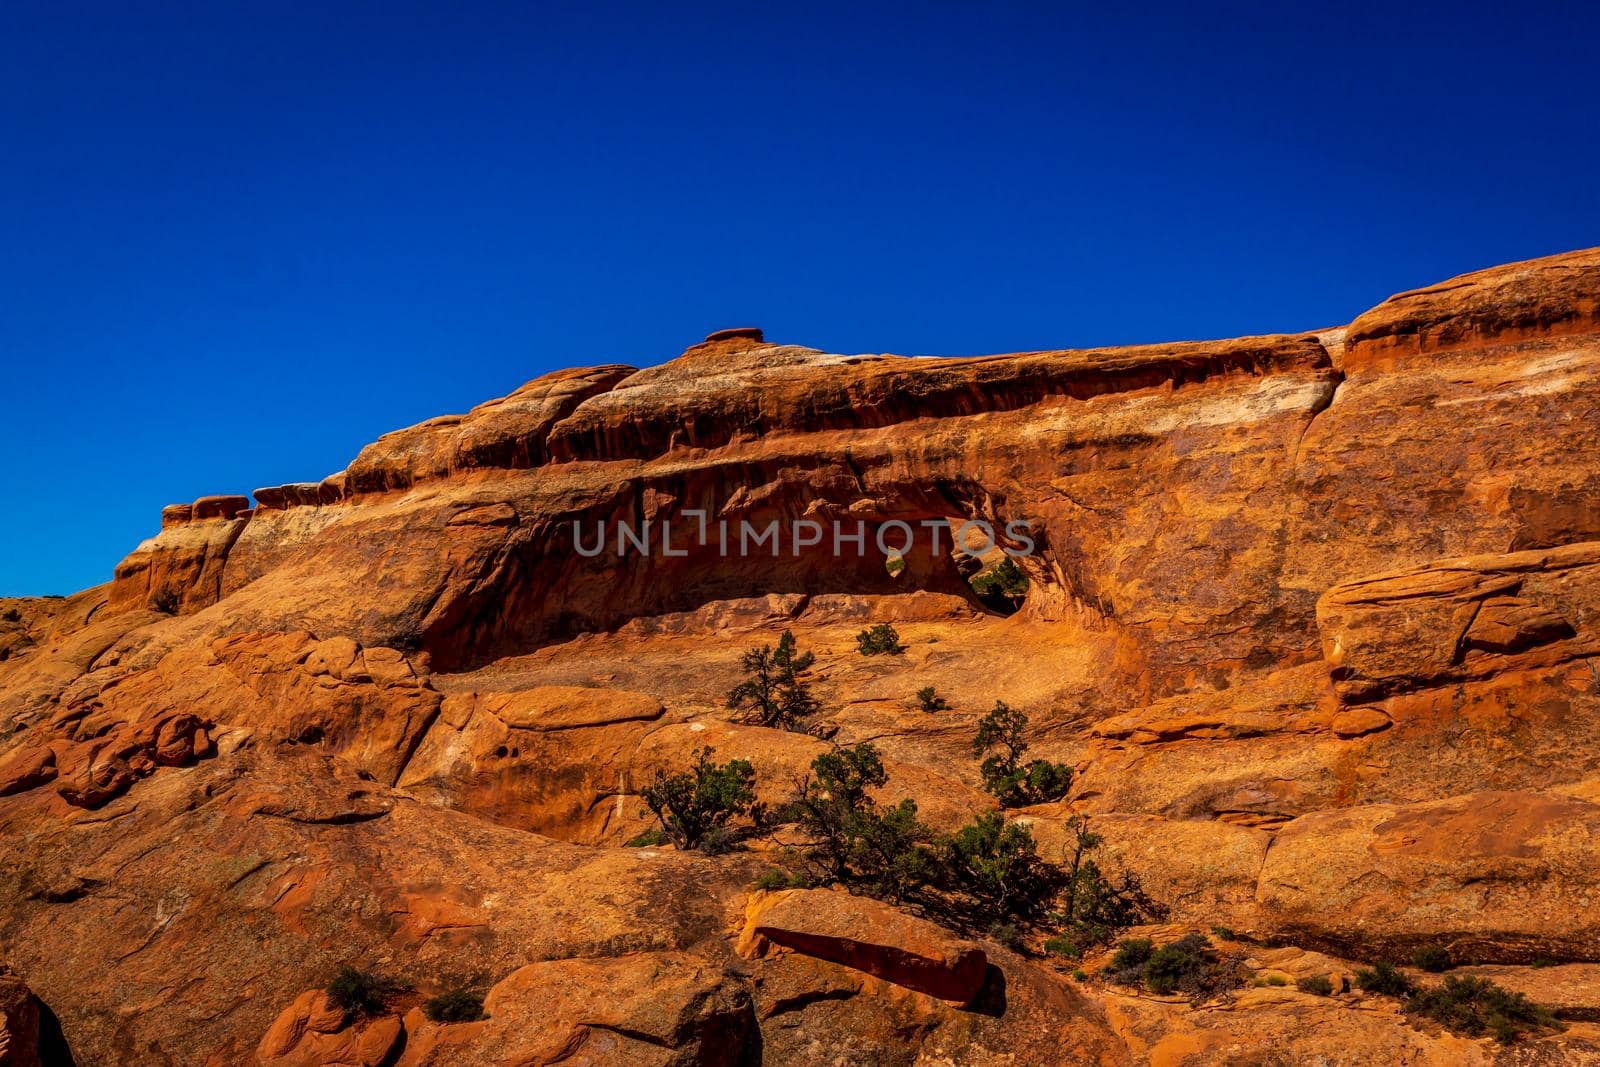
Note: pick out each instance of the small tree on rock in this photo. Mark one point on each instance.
(996, 866)
(695, 806)
(459, 1004)
(1476, 1006)
(362, 993)
(1188, 965)
(1007, 774)
(1094, 908)
(882, 851)
(773, 692)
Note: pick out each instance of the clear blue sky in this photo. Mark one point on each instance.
(239, 244)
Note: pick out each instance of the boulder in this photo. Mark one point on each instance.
(292, 495)
(219, 507)
(736, 333)
(314, 1031)
(869, 936)
(649, 1009)
(26, 768)
(105, 773)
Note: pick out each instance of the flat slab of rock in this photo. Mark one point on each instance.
(1460, 619)
(1505, 876)
(868, 935)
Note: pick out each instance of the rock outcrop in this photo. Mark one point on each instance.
(21, 1017)
(867, 936)
(1462, 619)
(1314, 618)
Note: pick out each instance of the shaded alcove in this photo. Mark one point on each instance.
(630, 557)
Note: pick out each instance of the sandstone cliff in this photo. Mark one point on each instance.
(1315, 617)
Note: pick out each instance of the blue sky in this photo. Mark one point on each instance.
(241, 240)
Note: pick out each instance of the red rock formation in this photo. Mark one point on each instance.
(868, 936)
(1558, 296)
(1461, 619)
(20, 1015)
(1501, 875)
(1313, 617)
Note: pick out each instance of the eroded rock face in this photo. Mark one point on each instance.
(1553, 297)
(508, 433)
(20, 1023)
(649, 1008)
(744, 432)
(552, 759)
(1503, 876)
(182, 567)
(1313, 618)
(1462, 619)
(868, 936)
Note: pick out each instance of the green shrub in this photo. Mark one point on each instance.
(884, 852)
(1006, 775)
(832, 800)
(1271, 980)
(1092, 908)
(165, 602)
(1005, 580)
(773, 692)
(1224, 932)
(1007, 934)
(647, 839)
(777, 878)
(1061, 945)
(1187, 965)
(1080, 976)
(879, 640)
(1476, 1006)
(361, 992)
(1433, 959)
(458, 1005)
(1318, 984)
(1132, 952)
(894, 857)
(695, 806)
(928, 699)
(988, 875)
(996, 865)
(1384, 978)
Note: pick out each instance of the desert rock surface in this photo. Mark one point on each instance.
(1314, 617)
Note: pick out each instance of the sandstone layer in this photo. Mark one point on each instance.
(1315, 618)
